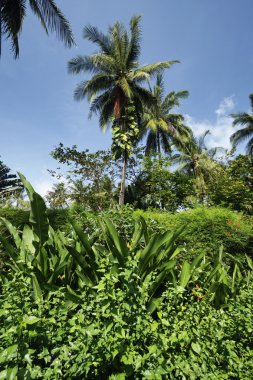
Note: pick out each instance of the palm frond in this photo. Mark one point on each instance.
(12, 15)
(98, 83)
(242, 118)
(249, 147)
(166, 143)
(94, 63)
(154, 68)
(50, 15)
(151, 143)
(241, 135)
(134, 45)
(92, 34)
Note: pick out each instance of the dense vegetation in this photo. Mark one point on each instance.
(115, 308)
(142, 266)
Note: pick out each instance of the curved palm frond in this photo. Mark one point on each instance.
(13, 12)
(167, 128)
(246, 133)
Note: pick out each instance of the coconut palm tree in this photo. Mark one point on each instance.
(162, 127)
(246, 133)
(117, 78)
(194, 158)
(13, 12)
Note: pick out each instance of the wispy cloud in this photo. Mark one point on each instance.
(221, 129)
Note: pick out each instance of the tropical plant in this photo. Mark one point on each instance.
(196, 159)
(117, 79)
(162, 127)
(12, 14)
(234, 187)
(9, 183)
(58, 196)
(246, 133)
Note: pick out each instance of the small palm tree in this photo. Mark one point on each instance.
(58, 196)
(246, 133)
(196, 159)
(12, 14)
(117, 77)
(162, 127)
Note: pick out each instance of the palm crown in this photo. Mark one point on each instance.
(12, 13)
(162, 126)
(117, 77)
(246, 133)
(194, 157)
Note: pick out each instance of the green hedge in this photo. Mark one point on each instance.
(58, 217)
(207, 228)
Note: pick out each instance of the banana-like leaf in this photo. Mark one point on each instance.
(13, 231)
(72, 295)
(185, 275)
(154, 304)
(139, 232)
(37, 293)
(85, 243)
(250, 262)
(159, 247)
(115, 243)
(161, 278)
(80, 260)
(10, 250)
(38, 216)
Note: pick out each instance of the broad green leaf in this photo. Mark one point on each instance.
(30, 320)
(13, 231)
(37, 294)
(8, 353)
(185, 274)
(38, 217)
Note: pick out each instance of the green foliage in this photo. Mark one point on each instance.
(91, 177)
(75, 308)
(125, 133)
(234, 188)
(157, 187)
(206, 229)
(112, 336)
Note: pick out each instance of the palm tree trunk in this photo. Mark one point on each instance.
(123, 179)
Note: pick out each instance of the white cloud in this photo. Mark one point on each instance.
(221, 129)
(43, 187)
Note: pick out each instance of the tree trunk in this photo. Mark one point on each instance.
(123, 179)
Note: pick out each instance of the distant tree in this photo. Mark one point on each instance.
(156, 186)
(117, 80)
(91, 176)
(9, 183)
(234, 187)
(159, 124)
(13, 12)
(246, 133)
(194, 158)
(58, 196)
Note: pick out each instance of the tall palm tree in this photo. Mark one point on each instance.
(116, 77)
(160, 125)
(196, 159)
(246, 133)
(13, 12)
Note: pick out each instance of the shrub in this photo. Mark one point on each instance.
(112, 336)
(207, 228)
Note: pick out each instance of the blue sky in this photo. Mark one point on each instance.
(212, 39)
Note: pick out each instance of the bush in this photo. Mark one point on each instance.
(112, 336)
(207, 228)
